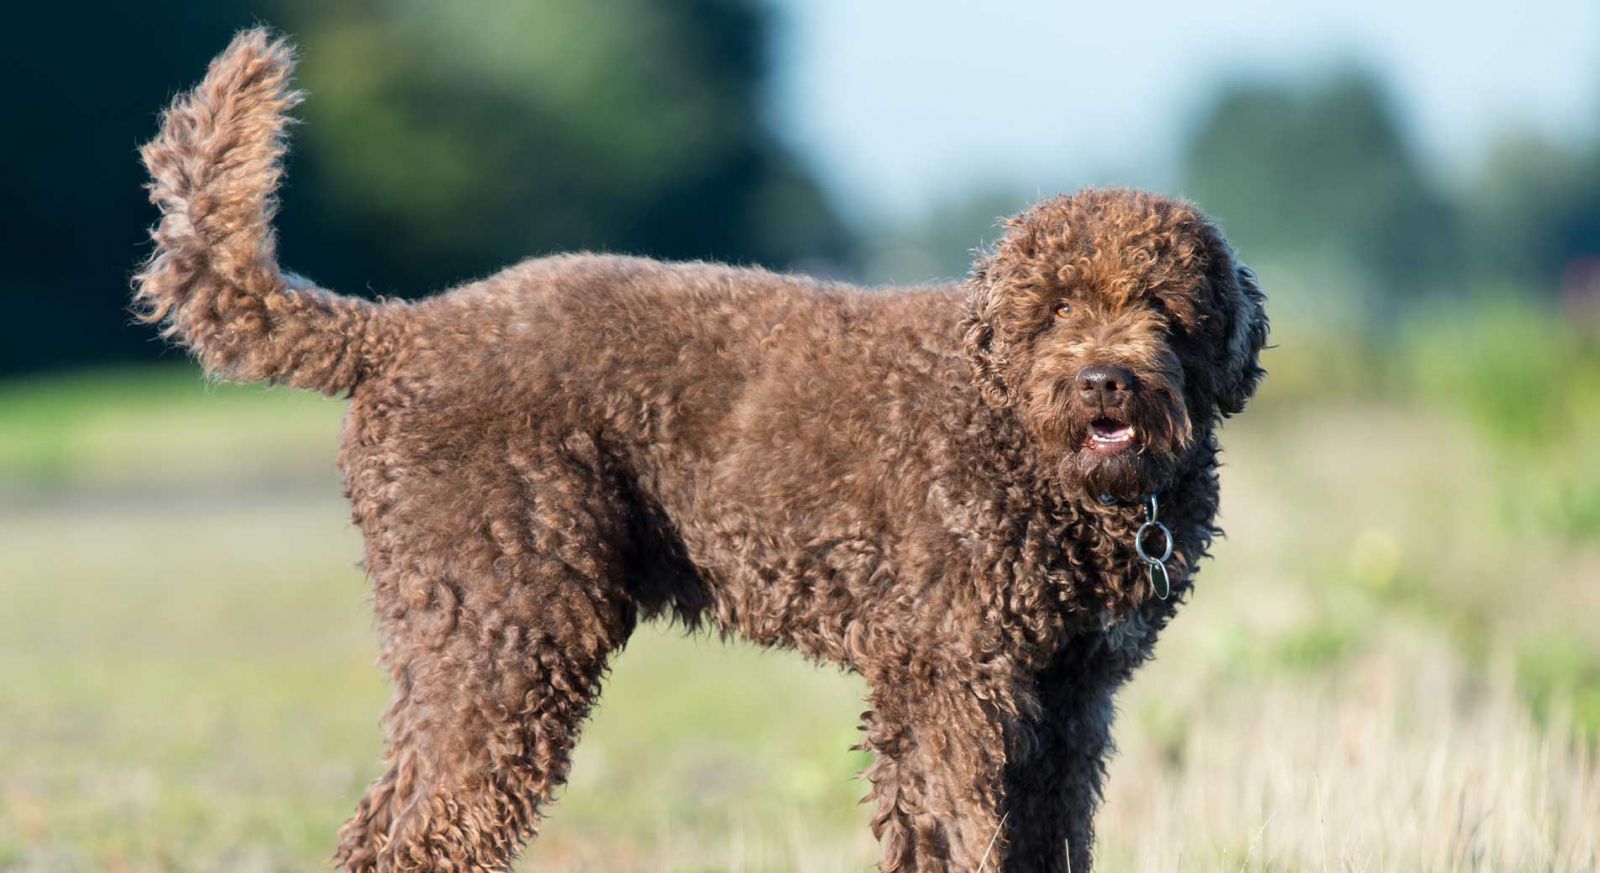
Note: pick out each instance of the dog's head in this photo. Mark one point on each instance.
(1119, 328)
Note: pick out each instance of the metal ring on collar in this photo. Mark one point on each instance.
(1138, 542)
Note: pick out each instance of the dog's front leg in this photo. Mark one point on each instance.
(938, 779)
(1053, 782)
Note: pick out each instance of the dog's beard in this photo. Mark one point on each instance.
(1085, 447)
(1129, 475)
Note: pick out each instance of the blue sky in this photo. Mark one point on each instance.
(901, 105)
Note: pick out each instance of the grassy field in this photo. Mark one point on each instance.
(1392, 664)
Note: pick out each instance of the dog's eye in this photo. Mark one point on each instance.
(1062, 309)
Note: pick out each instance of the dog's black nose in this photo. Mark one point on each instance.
(1107, 387)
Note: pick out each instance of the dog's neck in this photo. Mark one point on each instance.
(1097, 536)
(1070, 567)
(1187, 507)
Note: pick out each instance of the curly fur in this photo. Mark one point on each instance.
(894, 481)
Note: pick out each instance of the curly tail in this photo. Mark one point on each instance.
(213, 281)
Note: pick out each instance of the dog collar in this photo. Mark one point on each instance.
(1155, 564)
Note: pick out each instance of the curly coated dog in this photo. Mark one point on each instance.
(939, 488)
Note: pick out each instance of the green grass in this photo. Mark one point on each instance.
(165, 424)
(189, 685)
(189, 679)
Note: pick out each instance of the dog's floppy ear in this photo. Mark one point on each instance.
(1247, 335)
(985, 350)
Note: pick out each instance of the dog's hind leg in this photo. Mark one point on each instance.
(499, 595)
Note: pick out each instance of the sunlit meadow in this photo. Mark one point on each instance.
(1393, 662)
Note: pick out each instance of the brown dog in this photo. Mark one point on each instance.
(938, 488)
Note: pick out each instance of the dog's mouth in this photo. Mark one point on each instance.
(1108, 436)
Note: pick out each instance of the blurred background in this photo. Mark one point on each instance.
(1392, 663)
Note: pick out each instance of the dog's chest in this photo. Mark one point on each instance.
(1128, 635)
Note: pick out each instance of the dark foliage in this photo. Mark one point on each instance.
(433, 152)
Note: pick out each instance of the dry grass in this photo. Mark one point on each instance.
(1401, 760)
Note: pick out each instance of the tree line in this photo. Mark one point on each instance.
(445, 140)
